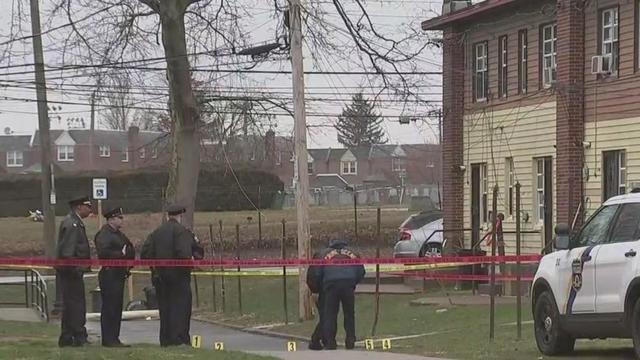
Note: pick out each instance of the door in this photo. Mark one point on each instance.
(475, 205)
(577, 269)
(616, 264)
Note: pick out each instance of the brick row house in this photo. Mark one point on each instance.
(544, 93)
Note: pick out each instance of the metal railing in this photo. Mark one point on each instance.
(35, 290)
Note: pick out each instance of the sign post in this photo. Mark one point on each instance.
(100, 193)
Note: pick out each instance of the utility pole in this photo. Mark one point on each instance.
(300, 140)
(48, 200)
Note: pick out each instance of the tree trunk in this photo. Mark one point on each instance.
(185, 159)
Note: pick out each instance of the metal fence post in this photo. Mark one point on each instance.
(239, 277)
(284, 273)
(518, 269)
(213, 278)
(377, 307)
(222, 278)
(493, 264)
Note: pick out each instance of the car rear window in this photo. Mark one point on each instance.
(419, 220)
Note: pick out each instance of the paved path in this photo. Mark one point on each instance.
(146, 331)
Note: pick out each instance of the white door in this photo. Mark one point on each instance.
(617, 260)
(578, 268)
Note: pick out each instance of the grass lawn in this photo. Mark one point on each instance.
(39, 341)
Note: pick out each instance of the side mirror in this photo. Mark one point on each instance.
(563, 237)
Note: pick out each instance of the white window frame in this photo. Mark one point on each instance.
(310, 168)
(349, 167)
(105, 151)
(539, 189)
(503, 63)
(523, 59)
(481, 71)
(609, 43)
(549, 54)
(510, 184)
(125, 155)
(143, 153)
(66, 153)
(622, 172)
(12, 159)
(279, 158)
(484, 193)
(154, 152)
(398, 164)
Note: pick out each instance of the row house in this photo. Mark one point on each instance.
(544, 93)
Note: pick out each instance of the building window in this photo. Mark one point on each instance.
(143, 153)
(549, 48)
(397, 164)
(154, 153)
(125, 154)
(510, 177)
(65, 153)
(523, 56)
(539, 194)
(481, 72)
(349, 168)
(310, 168)
(278, 158)
(105, 151)
(484, 192)
(15, 159)
(609, 40)
(503, 71)
(614, 174)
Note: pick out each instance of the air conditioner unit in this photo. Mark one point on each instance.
(454, 5)
(600, 64)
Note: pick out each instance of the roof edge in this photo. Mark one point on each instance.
(438, 23)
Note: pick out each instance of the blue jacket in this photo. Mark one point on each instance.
(327, 274)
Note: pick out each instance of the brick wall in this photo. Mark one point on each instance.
(570, 109)
(452, 131)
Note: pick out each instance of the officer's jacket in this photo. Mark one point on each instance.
(72, 241)
(109, 243)
(314, 276)
(327, 274)
(172, 241)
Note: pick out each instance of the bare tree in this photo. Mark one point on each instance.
(119, 113)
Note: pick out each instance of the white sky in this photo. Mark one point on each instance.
(388, 16)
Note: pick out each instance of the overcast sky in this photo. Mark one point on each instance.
(329, 93)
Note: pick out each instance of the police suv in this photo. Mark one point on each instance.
(590, 286)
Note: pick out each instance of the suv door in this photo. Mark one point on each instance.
(576, 270)
(616, 264)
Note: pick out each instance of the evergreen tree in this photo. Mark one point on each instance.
(360, 124)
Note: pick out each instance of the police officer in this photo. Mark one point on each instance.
(314, 282)
(338, 286)
(111, 243)
(73, 244)
(173, 284)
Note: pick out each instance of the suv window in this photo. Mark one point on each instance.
(627, 227)
(419, 220)
(595, 231)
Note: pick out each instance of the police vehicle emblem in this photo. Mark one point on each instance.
(576, 283)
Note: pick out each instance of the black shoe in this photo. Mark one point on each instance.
(350, 345)
(315, 346)
(65, 343)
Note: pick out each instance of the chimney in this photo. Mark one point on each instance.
(133, 141)
(450, 6)
(270, 148)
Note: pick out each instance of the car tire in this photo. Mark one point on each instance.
(635, 328)
(431, 249)
(550, 338)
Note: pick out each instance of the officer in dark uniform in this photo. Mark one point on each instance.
(73, 244)
(173, 284)
(338, 287)
(111, 243)
(314, 282)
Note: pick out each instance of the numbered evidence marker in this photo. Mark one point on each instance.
(219, 346)
(368, 344)
(291, 346)
(386, 344)
(196, 341)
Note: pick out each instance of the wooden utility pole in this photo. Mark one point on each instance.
(49, 229)
(300, 139)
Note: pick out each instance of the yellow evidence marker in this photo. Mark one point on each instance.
(291, 346)
(196, 341)
(386, 344)
(219, 346)
(368, 344)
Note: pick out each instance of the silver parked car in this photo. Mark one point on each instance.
(420, 235)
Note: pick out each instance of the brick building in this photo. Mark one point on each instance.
(543, 93)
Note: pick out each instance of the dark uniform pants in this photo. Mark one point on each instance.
(316, 337)
(336, 293)
(73, 308)
(173, 289)
(112, 292)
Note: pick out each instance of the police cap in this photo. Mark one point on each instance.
(114, 212)
(84, 200)
(176, 209)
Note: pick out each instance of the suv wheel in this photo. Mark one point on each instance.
(431, 249)
(635, 328)
(551, 340)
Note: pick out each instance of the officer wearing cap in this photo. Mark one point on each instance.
(112, 243)
(73, 244)
(173, 284)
